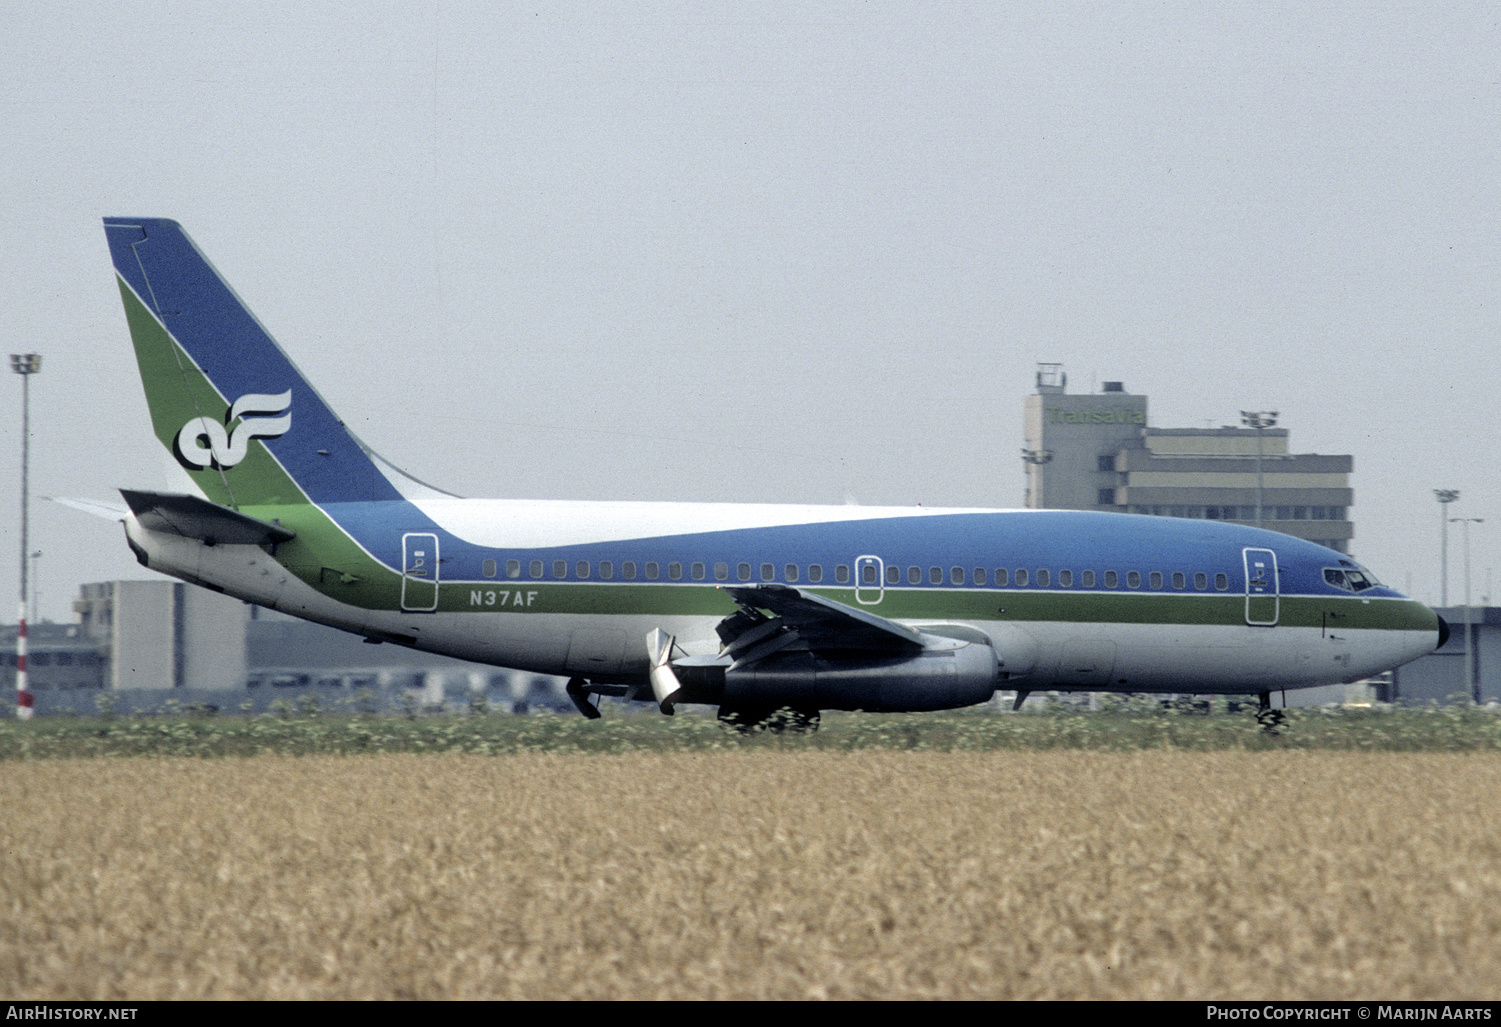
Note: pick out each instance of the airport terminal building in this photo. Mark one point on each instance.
(1096, 451)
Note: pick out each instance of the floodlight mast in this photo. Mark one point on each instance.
(1471, 688)
(25, 365)
(1260, 420)
(1444, 497)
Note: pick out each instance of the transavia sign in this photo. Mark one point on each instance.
(1060, 415)
(226, 448)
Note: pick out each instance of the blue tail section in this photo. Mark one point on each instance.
(189, 326)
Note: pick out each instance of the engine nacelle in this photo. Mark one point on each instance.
(946, 674)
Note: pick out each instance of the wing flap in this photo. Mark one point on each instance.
(818, 622)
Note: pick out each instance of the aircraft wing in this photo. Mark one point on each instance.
(192, 517)
(817, 623)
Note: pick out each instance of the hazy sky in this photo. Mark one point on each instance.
(771, 252)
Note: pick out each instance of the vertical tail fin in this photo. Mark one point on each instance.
(224, 398)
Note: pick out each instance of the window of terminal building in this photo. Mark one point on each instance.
(488, 568)
(1087, 579)
(1106, 464)
(1106, 497)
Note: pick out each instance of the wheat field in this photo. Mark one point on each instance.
(755, 874)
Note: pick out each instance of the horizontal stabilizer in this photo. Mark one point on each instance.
(98, 508)
(192, 517)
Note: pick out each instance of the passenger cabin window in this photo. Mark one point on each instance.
(606, 569)
(1156, 579)
(791, 571)
(653, 570)
(560, 568)
(536, 568)
(1087, 579)
(842, 573)
(979, 575)
(1111, 579)
(1021, 576)
(1222, 582)
(513, 568)
(489, 568)
(935, 575)
(675, 571)
(1179, 581)
(721, 572)
(815, 572)
(742, 571)
(914, 575)
(1043, 578)
(956, 575)
(1065, 579)
(1002, 577)
(628, 570)
(768, 572)
(582, 568)
(893, 575)
(698, 571)
(1201, 580)
(868, 573)
(1133, 579)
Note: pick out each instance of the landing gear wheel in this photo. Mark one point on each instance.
(1269, 719)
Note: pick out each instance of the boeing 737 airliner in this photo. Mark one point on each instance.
(754, 608)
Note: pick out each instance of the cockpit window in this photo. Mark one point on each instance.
(1349, 579)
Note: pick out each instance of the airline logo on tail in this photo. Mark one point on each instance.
(225, 447)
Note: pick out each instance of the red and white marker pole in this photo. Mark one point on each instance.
(25, 701)
(25, 365)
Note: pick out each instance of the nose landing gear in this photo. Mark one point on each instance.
(1270, 720)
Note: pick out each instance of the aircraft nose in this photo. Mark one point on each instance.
(1443, 632)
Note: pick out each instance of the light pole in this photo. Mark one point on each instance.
(25, 365)
(36, 584)
(1035, 458)
(1445, 497)
(1470, 689)
(1260, 420)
